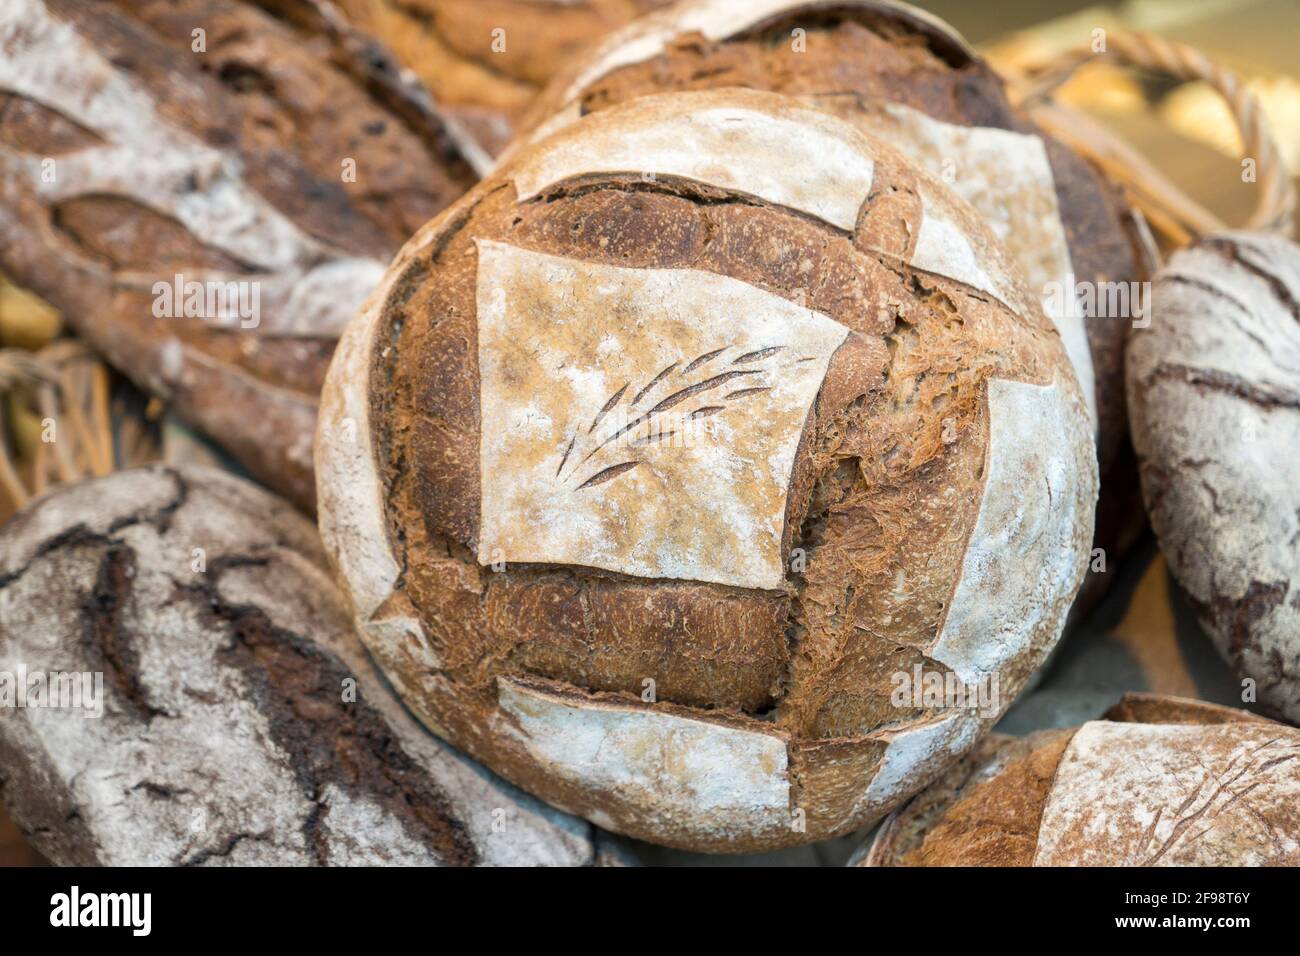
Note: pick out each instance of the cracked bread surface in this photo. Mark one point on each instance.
(932, 389)
(242, 723)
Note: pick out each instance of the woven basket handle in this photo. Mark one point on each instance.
(1275, 209)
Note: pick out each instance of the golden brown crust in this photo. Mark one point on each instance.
(484, 77)
(1143, 708)
(986, 812)
(887, 484)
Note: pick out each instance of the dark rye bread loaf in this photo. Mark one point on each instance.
(1214, 396)
(645, 486)
(241, 721)
(485, 60)
(129, 157)
(1159, 781)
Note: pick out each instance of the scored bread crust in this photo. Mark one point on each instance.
(904, 76)
(132, 156)
(947, 434)
(1157, 781)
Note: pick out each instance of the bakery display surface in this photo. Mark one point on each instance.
(626, 434)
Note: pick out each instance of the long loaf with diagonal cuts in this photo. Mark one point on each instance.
(208, 193)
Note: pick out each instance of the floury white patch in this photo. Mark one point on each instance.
(944, 690)
(221, 303)
(55, 690)
(590, 375)
(1131, 794)
(73, 909)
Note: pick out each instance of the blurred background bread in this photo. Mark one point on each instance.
(206, 193)
(485, 60)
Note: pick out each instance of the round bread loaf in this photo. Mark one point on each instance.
(230, 715)
(208, 193)
(1214, 395)
(904, 77)
(1159, 781)
(486, 60)
(657, 459)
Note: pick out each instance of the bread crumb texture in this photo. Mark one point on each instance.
(486, 62)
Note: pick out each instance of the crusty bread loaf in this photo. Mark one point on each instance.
(1159, 781)
(1214, 395)
(658, 458)
(240, 721)
(485, 60)
(907, 78)
(141, 141)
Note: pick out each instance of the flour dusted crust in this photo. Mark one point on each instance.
(992, 609)
(485, 62)
(703, 693)
(130, 159)
(227, 734)
(669, 764)
(902, 76)
(831, 187)
(1169, 795)
(1160, 781)
(1214, 389)
(1007, 177)
(545, 497)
